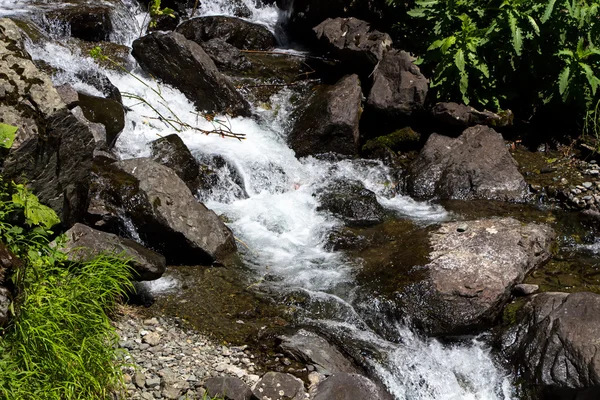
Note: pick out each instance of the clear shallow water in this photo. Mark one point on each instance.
(274, 213)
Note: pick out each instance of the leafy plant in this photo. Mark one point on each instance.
(7, 135)
(156, 12)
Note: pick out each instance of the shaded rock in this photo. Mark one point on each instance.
(98, 130)
(162, 210)
(330, 121)
(476, 165)
(353, 42)
(279, 386)
(52, 150)
(184, 64)
(399, 89)
(352, 202)
(164, 23)
(310, 348)
(226, 56)
(228, 388)
(471, 274)
(85, 21)
(5, 301)
(84, 244)
(345, 386)
(463, 116)
(219, 179)
(237, 32)
(555, 345)
(8, 262)
(171, 152)
(101, 82)
(107, 112)
(140, 295)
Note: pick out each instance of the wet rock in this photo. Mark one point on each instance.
(84, 243)
(353, 42)
(226, 56)
(399, 89)
(98, 130)
(184, 64)
(140, 295)
(345, 386)
(171, 152)
(462, 116)
(471, 274)
(352, 202)
(164, 22)
(386, 147)
(310, 348)
(555, 344)
(52, 150)
(85, 21)
(101, 82)
(107, 112)
(279, 386)
(329, 123)
(163, 211)
(228, 388)
(476, 165)
(239, 33)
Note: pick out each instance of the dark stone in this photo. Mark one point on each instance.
(555, 345)
(68, 95)
(345, 386)
(310, 348)
(226, 56)
(84, 244)
(399, 89)
(171, 152)
(164, 23)
(351, 202)
(219, 180)
(354, 43)
(107, 112)
(8, 262)
(163, 211)
(239, 33)
(279, 386)
(330, 121)
(462, 116)
(140, 295)
(476, 165)
(184, 64)
(5, 301)
(86, 22)
(101, 83)
(228, 388)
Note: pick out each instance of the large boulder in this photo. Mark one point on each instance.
(330, 121)
(555, 344)
(279, 386)
(85, 21)
(347, 386)
(353, 42)
(310, 348)
(473, 268)
(107, 112)
(52, 150)
(145, 199)
(476, 165)
(399, 89)
(184, 64)
(171, 152)
(226, 56)
(84, 244)
(237, 32)
(352, 203)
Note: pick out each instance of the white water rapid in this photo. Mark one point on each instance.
(274, 212)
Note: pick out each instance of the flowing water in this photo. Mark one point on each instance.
(273, 210)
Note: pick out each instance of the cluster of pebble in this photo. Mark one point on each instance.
(587, 193)
(169, 361)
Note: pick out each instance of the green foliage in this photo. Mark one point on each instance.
(7, 135)
(60, 344)
(525, 54)
(156, 11)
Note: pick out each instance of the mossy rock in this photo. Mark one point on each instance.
(404, 139)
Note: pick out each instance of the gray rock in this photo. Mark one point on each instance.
(152, 338)
(555, 344)
(84, 243)
(237, 32)
(525, 289)
(471, 274)
(152, 383)
(107, 112)
(139, 379)
(352, 202)
(98, 130)
(226, 56)
(228, 388)
(52, 150)
(310, 348)
(399, 88)
(68, 95)
(342, 386)
(279, 386)
(476, 165)
(463, 116)
(5, 301)
(162, 209)
(184, 64)
(330, 121)
(171, 152)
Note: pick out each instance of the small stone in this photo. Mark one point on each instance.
(139, 379)
(152, 383)
(593, 162)
(586, 198)
(594, 172)
(525, 289)
(152, 338)
(462, 227)
(151, 322)
(587, 185)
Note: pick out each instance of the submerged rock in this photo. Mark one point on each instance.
(163, 211)
(84, 243)
(476, 165)
(184, 64)
(329, 123)
(352, 202)
(555, 345)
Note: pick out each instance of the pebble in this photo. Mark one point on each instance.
(587, 185)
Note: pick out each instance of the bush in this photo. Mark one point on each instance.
(60, 343)
(522, 54)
